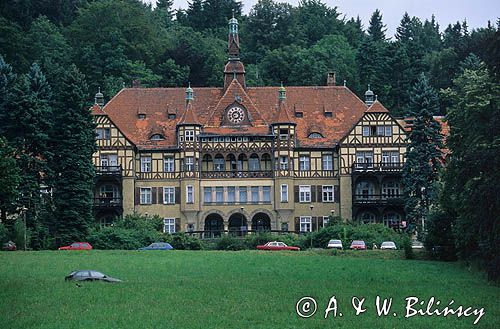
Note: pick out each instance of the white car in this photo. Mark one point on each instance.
(388, 245)
(337, 244)
(417, 245)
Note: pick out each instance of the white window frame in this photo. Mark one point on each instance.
(189, 135)
(219, 191)
(205, 194)
(169, 225)
(145, 164)
(103, 133)
(305, 224)
(189, 164)
(231, 197)
(366, 131)
(283, 164)
(243, 190)
(327, 165)
(189, 194)
(268, 194)
(304, 193)
(146, 195)
(169, 164)
(252, 192)
(328, 196)
(388, 131)
(326, 220)
(284, 193)
(381, 131)
(304, 163)
(168, 195)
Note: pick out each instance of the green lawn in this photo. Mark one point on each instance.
(245, 289)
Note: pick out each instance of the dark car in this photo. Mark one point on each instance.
(77, 246)
(158, 246)
(90, 275)
(9, 246)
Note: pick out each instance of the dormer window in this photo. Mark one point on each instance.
(189, 135)
(315, 135)
(283, 133)
(157, 137)
(299, 114)
(171, 116)
(141, 116)
(328, 114)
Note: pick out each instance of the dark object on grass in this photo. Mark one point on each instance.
(9, 246)
(158, 246)
(90, 275)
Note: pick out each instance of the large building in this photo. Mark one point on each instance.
(241, 158)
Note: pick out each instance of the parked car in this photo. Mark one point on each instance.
(337, 244)
(386, 245)
(417, 245)
(158, 246)
(90, 275)
(9, 246)
(277, 245)
(77, 246)
(358, 245)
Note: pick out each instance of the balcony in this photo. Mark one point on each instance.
(378, 199)
(380, 167)
(107, 202)
(115, 171)
(237, 174)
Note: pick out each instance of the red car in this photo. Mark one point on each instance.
(277, 245)
(77, 246)
(9, 246)
(358, 245)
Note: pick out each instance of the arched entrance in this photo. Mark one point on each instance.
(214, 225)
(261, 222)
(238, 224)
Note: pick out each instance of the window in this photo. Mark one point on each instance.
(299, 114)
(365, 190)
(390, 189)
(326, 219)
(219, 194)
(305, 224)
(231, 194)
(171, 116)
(327, 162)
(157, 137)
(219, 163)
(103, 133)
(388, 131)
(366, 131)
(304, 163)
(364, 159)
(207, 194)
(169, 225)
(145, 164)
(283, 134)
(168, 164)
(305, 193)
(284, 193)
(243, 194)
(367, 217)
(390, 158)
(266, 194)
(327, 193)
(141, 116)
(315, 135)
(189, 164)
(380, 130)
(253, 163)
(168, 195)
(255, 194)
(189, 194)
(189, 135)
(283, 162)
(109, 162)
(145, 195)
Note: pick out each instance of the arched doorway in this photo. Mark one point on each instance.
(238, 224)
(214, 225)
(261, 222)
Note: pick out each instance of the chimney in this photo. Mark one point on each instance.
(330, 80)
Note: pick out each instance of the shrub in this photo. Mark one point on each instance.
(407, 247)
(4, 234)
(439, 241)
(229, 242)
(183, 241)
(121, 238)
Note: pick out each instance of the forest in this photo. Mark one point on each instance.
(55, 55)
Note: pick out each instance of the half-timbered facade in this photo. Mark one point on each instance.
(241, 158)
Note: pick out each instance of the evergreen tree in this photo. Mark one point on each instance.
(472, 174)
(9, 180)
(74, 140)
(376, 29)
(423, 156)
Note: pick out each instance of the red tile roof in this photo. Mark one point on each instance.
(209, 105)
(377, 107)
(189, 116)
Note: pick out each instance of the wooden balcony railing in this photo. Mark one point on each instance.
(378, 199)
(380, 166)
(108, 202)
(237, 174)
(108, 170)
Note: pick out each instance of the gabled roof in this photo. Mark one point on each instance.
(377, 107)
(210, 104)
(189, 117)
(97, 110)
(282, 113)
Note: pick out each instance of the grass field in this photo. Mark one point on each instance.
(246, 289)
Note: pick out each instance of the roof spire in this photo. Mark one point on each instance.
(282, 93)
(99, 98)
(369, 96)
(189, 93)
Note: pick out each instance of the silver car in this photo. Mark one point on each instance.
(387, 245)
(90, 275)
(337, 244)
